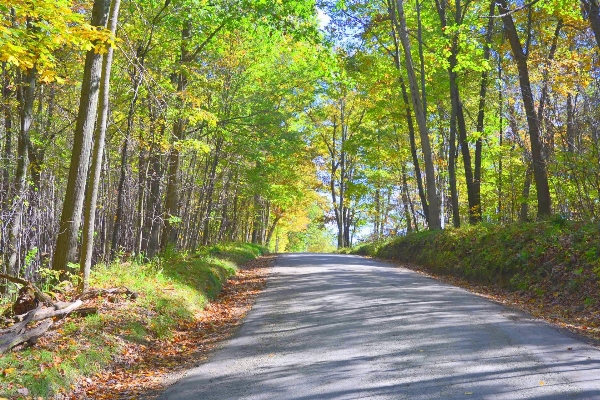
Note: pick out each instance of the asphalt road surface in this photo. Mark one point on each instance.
(345, 327)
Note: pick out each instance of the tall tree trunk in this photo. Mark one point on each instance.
(413, 151)
(481, 111)
(570, 124)
(153, 220)
(257, 220)
(421, 55)
(377, 218)
(452, 171)
(87, 245)
(524, 213)
(116, 234)
(474, 207)
(153, 207)
(25, 96)
(545, 84)
(170, 233)
(349, 222)
(592, 12)
(500, 140)
(210, 189)
(343, 172)
(539, 164)
(225, 203)
(409, 119)
(5, 194)
(70, 221)
(37, 153)
(434, 209)
(143, 167)
(457, 111)
(7, 162)
(272, 228)
(405, 201)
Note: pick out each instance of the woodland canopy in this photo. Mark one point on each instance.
(134, 127)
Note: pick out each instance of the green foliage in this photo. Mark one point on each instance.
(560, 256)
(314, 239)
(31, 33)
(172, 290)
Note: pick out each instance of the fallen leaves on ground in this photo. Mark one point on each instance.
(563, 311)
(144, 370)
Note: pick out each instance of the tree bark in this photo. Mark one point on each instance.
(545, 83)
(409, 119)
(25, 96)
(405, 201)
(272, 228)
(87, 245)
(153, 218)
(457, 108)
(481, 112)
(170, 233)
(452, 171)
(538, 162)
(524, 213)
(7, 162)
(210, 189)
(591, 10)
(153, 208)
(257, 220)
(116, 234)
(434, 209)
(11, 340)
(66, 242)
(570, 124)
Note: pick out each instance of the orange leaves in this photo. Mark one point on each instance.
(557, 306)
(141, 369)
(36, 31)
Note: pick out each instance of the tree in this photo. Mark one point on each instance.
(591, 11)
(87, 246)
(70, 221)
(399, 19)
(538, 161)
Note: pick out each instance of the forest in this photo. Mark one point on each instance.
(152, 152)
(134, 128)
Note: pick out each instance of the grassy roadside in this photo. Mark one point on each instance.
(550, 268)
(173, 290)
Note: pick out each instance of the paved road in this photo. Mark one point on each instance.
(345, 327)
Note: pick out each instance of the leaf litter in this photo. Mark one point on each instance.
(559, 309)
(144, 370)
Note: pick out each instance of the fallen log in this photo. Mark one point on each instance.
(21, 326)
(11, 340)
(49, 312)
(41, 296)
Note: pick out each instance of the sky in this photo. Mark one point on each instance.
(323, 19)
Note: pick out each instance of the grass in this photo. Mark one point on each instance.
(173, 290)
(555, 261)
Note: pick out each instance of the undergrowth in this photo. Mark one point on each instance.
(173, 290)
(555, 261)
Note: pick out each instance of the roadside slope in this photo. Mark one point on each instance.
(130, 343)
(550, 269)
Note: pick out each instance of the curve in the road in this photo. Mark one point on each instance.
(346, 327)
